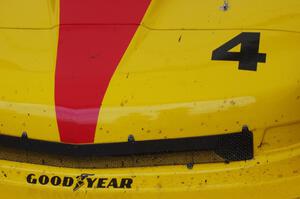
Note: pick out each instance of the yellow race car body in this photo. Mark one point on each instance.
(149, 99)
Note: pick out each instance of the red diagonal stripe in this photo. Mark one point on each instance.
(93, 37)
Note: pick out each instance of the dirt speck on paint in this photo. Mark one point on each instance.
(179, 39)
(4, 174)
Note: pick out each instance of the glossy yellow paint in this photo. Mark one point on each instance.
(246, 14)
(166, 86)
(180, 92)
(27, 64)
(29, 14)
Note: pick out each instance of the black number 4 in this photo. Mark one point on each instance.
(249, 55)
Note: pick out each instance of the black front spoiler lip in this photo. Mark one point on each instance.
(231, 146)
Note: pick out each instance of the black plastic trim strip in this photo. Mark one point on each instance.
(231, 146)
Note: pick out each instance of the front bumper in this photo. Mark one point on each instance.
(270, 175)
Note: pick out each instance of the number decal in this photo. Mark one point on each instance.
(249, 55)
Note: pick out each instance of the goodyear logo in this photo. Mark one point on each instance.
(87, 180)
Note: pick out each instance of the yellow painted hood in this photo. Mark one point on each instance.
(165, 84)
